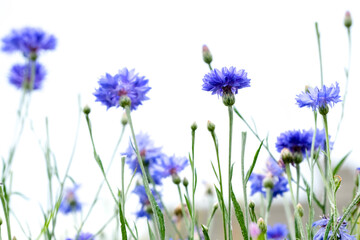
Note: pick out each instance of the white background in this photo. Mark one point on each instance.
(274, 41)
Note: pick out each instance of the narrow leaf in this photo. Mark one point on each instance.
(205, 232)
(248, 174)
(338, 166)
(151, 234)
(239, 215)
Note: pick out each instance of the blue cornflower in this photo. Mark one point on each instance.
(150, 156)
(299, 141)
(20, 76)
(319, 98)
(83, 236)
(28, 41)
(277, 232)
(125, 83)
(226, 83)
(70, 202)
(341, 234)
(170, 166)
(145, 210)
(275, 173)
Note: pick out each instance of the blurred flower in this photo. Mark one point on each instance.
(150, 156)
(207, 57)
(29, 41)
(319, 98)
(277, 232)
(225, 81)
(273, 171)
(125, 83)
(145, 210)
(254, 230)
(70, 202)
(83, 236)
(299, 141)
(347, 19)
(341, 234)
(20, 76)
(169, 166)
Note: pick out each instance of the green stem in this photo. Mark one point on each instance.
(312, 165)
(268, 204)
(319, 47)
(230, 110)
(297, 182)
(246, 208)
(220, 179)
(6, 212)
(182, 207)
(193, 184)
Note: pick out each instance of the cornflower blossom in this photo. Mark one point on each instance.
(225, 81)
(125, 83)
(145, 209)
(254, 230)
(171, 166)
(150, 156)
(20, 76)
(70, 202)
(300, 141)
(29, 41)
(341, 234)
(275, 173)
(83, 236)
(277, 232)
(319, 98)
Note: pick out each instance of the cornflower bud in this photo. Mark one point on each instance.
(300, 210)
(268, 182)
(176, 179)
(194, 126)
(185, 182)
(124, 119)
(347, 20)
(262, 225)
(206, 54)
(86, 109)
(125, 101)
(228, 98)
(286, 156)
(298, 157)
(210, 126)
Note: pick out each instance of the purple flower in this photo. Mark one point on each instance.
(70, 202)
(275, 173)
(29, 41)
(145, 209)
(125, 83)
(300, 141)
(319, 98)
(150, 156)
(170, 166)
(341, 234)
(277, 232)
(20, 76)
(225, 81)
(83, 236)
(254, 230)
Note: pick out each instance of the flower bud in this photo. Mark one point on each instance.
(300, 210)
(337, 181)
(185, 182)
(254, 230)
(323, 110)
(347, 20)
(298, 157)
(176, 179)
(124, 119)
(262, 226)
(194, 126)
(125, 101)
(206, 54)
(86, 109)
(268, 182)
(178, 212)
(286, 156)
(210, 126)
(228, 98)
(252, 205)
(148, 209)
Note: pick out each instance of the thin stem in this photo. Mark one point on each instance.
(193, 184)
(220, 180)
(230, 110)
(312, 165)
(243, 180)
(268, 204)
(319, 47)
(6, 212)
(182, 207)
(297, 182)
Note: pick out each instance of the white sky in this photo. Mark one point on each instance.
(274, 42)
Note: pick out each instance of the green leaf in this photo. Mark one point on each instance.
(151, 234)
(216, 175)
(205, 232)
(239, 215)
(123, 225)
(338, 166)
(221, 202)
(328, 226)
(248, 174)
(188, 204)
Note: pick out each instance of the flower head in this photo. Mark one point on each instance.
(319, 98)
(254, 230)
(226, 83)
(273, 171)
(28, 41)
(125, 83)
(170, 166)
(150, 156)
(341, 234)
(70, 202)
(20, 76)
(145, 210)
(277, 232)
(83, 236)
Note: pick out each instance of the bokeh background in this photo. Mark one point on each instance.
(274, 41)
